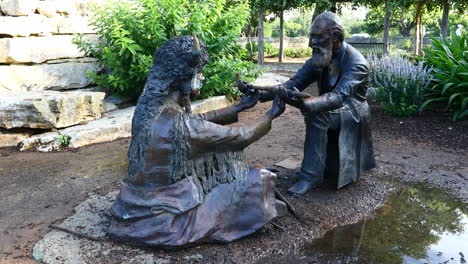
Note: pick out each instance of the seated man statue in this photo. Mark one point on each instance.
(338, 140)
(187, 182)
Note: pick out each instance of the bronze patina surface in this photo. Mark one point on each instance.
(187, 182)
(338, 142)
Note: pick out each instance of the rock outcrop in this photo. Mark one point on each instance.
(18, 7)
(38, 49)
(12, 138)
(49, 109)
(47, 76)
(114, 125)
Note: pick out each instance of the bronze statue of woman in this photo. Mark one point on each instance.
(187, 182)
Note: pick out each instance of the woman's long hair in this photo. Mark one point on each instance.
(173, 64)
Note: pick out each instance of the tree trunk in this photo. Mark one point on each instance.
(405, 28)
(418, 29)
(281, 37)
(386, 29)
(444, 22)
(421, 37)
(260, 37)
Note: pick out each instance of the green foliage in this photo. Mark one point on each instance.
(400, 109)
(298, 52)
(251, 50)
(403, 14)
(401, 18)
(292, 52)
(63, 140)
(399, 84)
(456, 17)
(291, 29)
(131, 31)
(276, 7)
(449, 60)
(297, 25)
(224, 71)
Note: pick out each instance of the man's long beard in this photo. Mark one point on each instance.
(321, 57)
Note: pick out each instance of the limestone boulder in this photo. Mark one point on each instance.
(25, 26)
(215, 102)
(47, 76)
(18, 7)
(78, 7)
(10, 138)
(108, 106)
(74, 25)
(114, 125)
(47, 8)
(46, 142)
(42, 25)
(38, 49)
(117, 124)
(49, 109)
(52, 8)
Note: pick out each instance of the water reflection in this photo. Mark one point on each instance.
(417, 225)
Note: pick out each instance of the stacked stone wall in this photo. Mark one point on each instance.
(43, 75)
(36, 45)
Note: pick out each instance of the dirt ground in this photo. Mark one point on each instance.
(38, 189)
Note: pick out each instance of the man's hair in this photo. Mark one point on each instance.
(334, 24)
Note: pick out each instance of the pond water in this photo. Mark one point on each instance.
(417, 225)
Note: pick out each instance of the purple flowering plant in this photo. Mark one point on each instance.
(399, 84)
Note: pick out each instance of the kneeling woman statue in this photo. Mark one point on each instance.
(187, 182)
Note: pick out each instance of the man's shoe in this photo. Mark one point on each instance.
(302, 187)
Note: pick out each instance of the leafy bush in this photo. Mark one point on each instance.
(449, 61)
(399, 84)
(225, 70)
(298, 52)
(130, 31)
(292, 52)
(251, 50)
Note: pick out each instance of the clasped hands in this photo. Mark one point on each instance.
(252, 96)
(291, 96)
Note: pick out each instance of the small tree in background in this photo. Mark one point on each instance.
(131, 31)
(459, 5)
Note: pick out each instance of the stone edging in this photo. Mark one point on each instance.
(114, 125)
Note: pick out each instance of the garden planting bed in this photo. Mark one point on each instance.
(425, 148)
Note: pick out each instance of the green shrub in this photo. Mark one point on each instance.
(225, 70)
(251, 50)
(449, 61)
(130, 32)
(298, 52)
(269, 51)
(398, 83)
(292, 52)
(268, 48)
